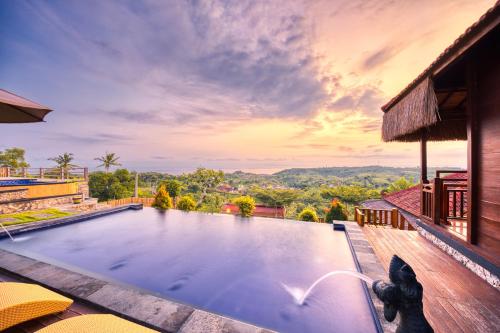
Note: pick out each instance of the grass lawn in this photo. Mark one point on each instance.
(32, 216)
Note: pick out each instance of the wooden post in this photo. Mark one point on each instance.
(62, 173)
(472, 150)
(423, 157)
(437, 199)
(86, 174)
(356, 214)
(23, 171)
(136, 187)
(41, 175)
(394, 217)
(423, 169)
(402, 223)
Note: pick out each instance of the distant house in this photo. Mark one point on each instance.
(226, 188)
(260, 210)
(456, 98)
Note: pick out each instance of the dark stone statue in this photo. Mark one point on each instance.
(404, 295)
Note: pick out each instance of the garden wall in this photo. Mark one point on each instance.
(20, 205)
(9, 195)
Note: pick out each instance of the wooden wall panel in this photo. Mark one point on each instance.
(488, 149)
(46, 190)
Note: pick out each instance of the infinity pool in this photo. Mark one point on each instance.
(21, 181)
(221, 263)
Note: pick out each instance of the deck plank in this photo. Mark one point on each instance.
(455, 299)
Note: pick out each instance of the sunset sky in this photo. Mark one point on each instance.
(250, 85)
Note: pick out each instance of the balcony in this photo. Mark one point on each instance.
(444, 202)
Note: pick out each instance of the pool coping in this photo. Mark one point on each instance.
(46, 224)
(156, 311)
(368, 263)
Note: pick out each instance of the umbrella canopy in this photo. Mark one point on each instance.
(15, 109)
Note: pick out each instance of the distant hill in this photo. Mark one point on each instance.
(368, 176)
(343, 172)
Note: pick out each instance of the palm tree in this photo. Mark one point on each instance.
(64, 161)
(108, 160)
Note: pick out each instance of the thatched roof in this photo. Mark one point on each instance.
(415, 109)
(414, 112)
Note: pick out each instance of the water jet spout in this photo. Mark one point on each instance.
(7, 231)
(300, 297)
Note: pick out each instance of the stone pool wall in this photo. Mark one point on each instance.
(10, 195)
(21, 205)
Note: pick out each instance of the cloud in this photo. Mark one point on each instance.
(89, 138)
(344, 103)
(379, 57)
(267, 159)
(318, 145)
(364, 98)
(157, 157)
(370, 126)
(253, 58)
(345, 148)
(138, 117)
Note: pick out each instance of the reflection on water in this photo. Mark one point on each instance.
(20, 239)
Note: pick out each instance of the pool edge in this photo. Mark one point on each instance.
(52, 223)
(367, 262)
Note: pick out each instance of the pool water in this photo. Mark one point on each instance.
(225, 264)
(15, 182)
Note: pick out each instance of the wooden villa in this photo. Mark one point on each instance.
(458, 98)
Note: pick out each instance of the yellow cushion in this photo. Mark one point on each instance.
(20, 302)
(95, 323)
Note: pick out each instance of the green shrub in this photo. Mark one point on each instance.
(172, 186)
(107, 186)
(162, 199)
(186, 203)
(212, 203)
(400, 184)
(246, 204)
(308, 214)
(337, 212)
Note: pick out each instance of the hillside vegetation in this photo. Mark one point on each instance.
(299, 190)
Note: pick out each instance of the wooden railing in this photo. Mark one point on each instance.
(4, 172)
(147, 202)
(454, 201)
(444, 198)
(364, 215)
(75, 173)
(427, 200)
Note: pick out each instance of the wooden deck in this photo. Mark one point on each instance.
(76, 309)
(455, 299)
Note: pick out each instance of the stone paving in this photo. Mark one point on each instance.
(371, 266)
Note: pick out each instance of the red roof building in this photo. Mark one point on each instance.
(260, 210)
(409, 199)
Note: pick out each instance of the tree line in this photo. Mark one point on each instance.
(199, 190)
